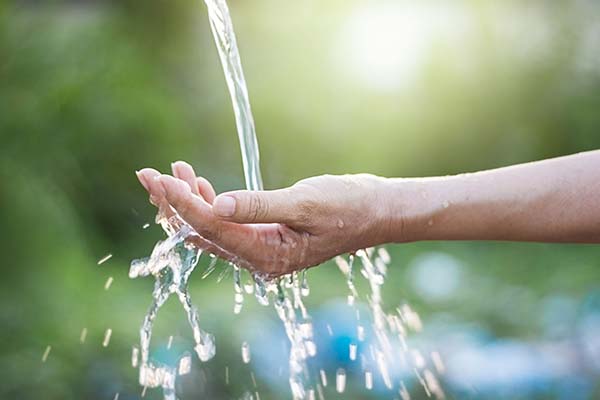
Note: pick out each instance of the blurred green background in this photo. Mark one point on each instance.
(90, 91)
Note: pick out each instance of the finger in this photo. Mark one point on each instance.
(185, 172)
(147, 178)
(206, 190)
(257, 207)
(197, 212)
(143, 175)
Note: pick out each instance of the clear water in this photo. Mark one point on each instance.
(172, 261)
(224, 35)
(287, 291)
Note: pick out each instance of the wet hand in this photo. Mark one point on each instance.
(278, 231)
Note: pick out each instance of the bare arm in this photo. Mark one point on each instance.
(280, 231)
(556, 200)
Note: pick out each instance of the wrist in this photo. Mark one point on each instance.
(413, 208)
(378, 222)
(393, 210)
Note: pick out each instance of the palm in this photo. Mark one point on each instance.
(272, 248)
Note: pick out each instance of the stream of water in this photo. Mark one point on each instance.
(173, 260)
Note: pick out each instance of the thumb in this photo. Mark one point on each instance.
(245, 206)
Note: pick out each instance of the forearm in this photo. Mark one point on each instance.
(555, 200)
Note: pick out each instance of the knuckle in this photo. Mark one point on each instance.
(306, 211)
(253, 210)
(259, 208)
(185, 205)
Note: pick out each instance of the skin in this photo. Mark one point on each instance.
(280, 231)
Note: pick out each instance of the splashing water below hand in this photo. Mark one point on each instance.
(171, 263)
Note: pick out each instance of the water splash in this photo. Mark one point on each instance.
(173, 260)
(171, 263)
(388, 351)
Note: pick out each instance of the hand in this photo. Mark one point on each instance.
(279, 231)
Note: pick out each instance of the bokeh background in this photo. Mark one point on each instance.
(90, 91)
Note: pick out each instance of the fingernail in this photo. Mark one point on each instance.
(224, 206)
(142, 179)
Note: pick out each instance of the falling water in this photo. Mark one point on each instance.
(288, 290)
(173, 260)
(222, 29)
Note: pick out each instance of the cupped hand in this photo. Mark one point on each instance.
(278, 231)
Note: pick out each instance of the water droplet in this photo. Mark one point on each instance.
(306, 329)
(360, 332)
(245, 353)
(340, 224)
(237, 308)
(350, 300)
(211, 267)
(368, 380)
(239, 298)
(206, 350)
(340, 380)
(108, 282)
(260, 292)
(323, 377)
(404, 395)
(383, 369)
(146, 226)
(384, 255)
(107, 336)
(433, 384)
(311, 348)
(320, 392)
(418, 359)
(304, 289)
(83, 335)
(352, 351)
(46, 353)
(237, 282)
(104, 259)
(185, 364)
(411, 318)
(134, 356)
(342, 265)
(437, 362)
